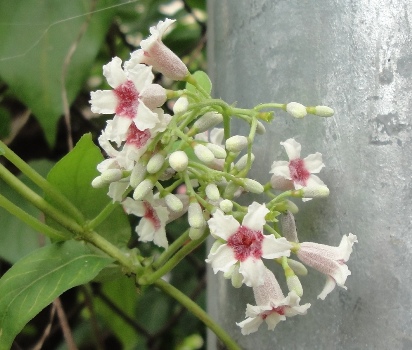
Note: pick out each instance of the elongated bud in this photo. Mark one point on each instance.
(138, 174)
(298, 267)
(230, 189)
(143, 189)
(204, 154)
(294, 285)
(212, 192)
(242, 162)
(98, 182)
(289, 227)
(173, 202)
(253, 186)
(196, 233)
(226, 205)
(155, 163)
(292, 207)
(260, 128)
(296, 110)
(111, 175)
(236, 143)
(178, 161)
(324, 111)
(153, 96)
(218, 151)
(207, 121)
(181, 105)
(195, 216)
(315, 192)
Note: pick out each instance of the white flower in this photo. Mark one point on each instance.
(153, 219)
(298, 170)
(271, 306)
(155, 53)
(244, 244)
(328, 260)
(131, 87)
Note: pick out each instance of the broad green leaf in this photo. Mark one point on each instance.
(35, 38)
(16, 238)
(203, 80)
(73, 175)
(36, 280)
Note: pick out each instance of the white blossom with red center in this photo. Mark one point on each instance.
(155, 53)
(328, 260)
(131, 88)
(153, 219)
(271, 306)
(244, 244)
(298, 171)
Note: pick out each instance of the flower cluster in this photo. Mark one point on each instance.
(161, 166)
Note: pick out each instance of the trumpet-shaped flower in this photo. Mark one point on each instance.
(299, 171)
(155, 53)
(244, 244)
(271, 306)
(328, 260)
(131, 88)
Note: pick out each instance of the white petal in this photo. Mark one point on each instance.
(145, 118)
(145, 230)
(216, 136)
(329, 286)
(313, 162)
(160, 238)
(222, 259)
(133, 207)
(314, 181)
(222, 226)
(117, 189)
(250, 325)
(136, 57)
(253, 271)
(281, 168)
(292, 148)
(120, 126)
(114, 73)
(273, 319)
(345, 246)
(275, 247)
(103, 101)
(255, 217)
(141, 76)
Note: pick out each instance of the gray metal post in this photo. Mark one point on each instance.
(355, 56)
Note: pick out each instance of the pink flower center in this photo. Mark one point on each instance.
(246, 243)
(128, 100)
(298, 172)
(137, 137)
(279, 310)
(150, 214)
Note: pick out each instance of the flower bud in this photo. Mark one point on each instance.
(294, 285)
(292, 207)
(196, 233)
(195, 216)
(203, 153)
(111, 175)
(218, 151)
(226, 205)
(296, 110)
(207, 121)
(181, 105)
(287, 221)
(153, 96)
(280, 183)
(155, 163)
(178, 161)
(212, 192)
(230, 189)
(315, 192)
(260, 128)
(324, 111)
(98, 182)
(236, 143)
(252, 186)
(242, 162)
(297, 267)
(173, 202)
(143, 189)
(138, 174)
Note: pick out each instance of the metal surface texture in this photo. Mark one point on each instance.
(356, 57)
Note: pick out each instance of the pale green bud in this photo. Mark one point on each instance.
(203, 153)
(195, 215)
(226, 205)
(218, 151)
(178, 161)
(260, 128)
(298, 267)
(142, 189)
(155, 163)
(196, 233)
(138, 174)
(292, 207)
(294, 285)
(296, 110)
(230, 189)
(242, 162)
(173, 202)
(324, 111)
(253, 186)
(212, 192)
(181, 105)
(98, 182)
(315, 192)
(111, 175)
(207, 121)
(236, 143)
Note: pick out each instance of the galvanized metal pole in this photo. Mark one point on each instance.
(355, 56)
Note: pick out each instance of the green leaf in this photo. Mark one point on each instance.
(5, 118)
(36, 280)
(73, 175)
(203, 80)
(35, 39)
(16, 238)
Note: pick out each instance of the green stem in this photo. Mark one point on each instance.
(270, 105)
(198, 312)
(107, 210)
(39, 202)
(174, 247)
(60, 199)
(170, 264)
(34, 223)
